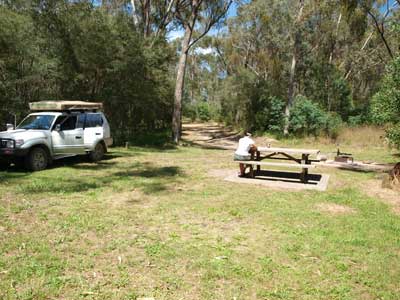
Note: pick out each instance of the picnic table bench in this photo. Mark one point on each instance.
(287, 154)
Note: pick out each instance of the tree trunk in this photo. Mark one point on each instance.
(134, 13)
(180, 78)
(147, 8)
(292, 79)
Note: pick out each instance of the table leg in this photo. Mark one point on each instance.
(258, 166)
(251, 171)
(304, 173)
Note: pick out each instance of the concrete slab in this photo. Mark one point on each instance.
(283, 180)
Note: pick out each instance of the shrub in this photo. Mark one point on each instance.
(385, 106)
(271, 116)
(355, 121)
(307, 117)
(203, 111)
(393, 135)
(333, 125)
(189, 111)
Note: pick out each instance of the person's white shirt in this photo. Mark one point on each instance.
(245, 144)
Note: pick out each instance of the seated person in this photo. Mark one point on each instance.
(244, 151)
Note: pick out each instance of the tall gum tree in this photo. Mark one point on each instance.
(196, 17)
(295, 55)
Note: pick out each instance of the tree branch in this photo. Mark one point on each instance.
(212, 22)
(381, 32)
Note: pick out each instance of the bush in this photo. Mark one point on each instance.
(271, 116)
(307, 117)
(393, 135)
(190, 111)
(355, 121)
(333, 125)
(203, 111)
(385, 106)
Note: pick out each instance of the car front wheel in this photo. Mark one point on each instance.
(98, 153)
(37, 160)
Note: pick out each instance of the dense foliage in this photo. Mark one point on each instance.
(75, 50)
(308, 66)
(386, 103)
(339, 53)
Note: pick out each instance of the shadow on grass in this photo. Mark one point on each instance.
(150, 179)
(11, 174)
(205, 146)
(151, 172)
(73, 162)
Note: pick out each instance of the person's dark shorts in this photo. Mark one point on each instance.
(241, 157)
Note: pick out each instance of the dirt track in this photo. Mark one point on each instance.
(210, 135)
(214, 135)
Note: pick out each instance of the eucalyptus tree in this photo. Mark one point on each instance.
(196, 18)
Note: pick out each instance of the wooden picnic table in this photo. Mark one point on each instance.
(286, 154)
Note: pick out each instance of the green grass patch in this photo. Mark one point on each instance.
(151, 222)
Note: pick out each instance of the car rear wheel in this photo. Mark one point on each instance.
(98, 153)
(37, 159)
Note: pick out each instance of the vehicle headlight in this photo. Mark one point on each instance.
(19, 143)
(10, 144)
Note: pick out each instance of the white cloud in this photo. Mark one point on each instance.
(204, 51)
(175, 34)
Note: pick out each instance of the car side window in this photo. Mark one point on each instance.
(93, 120)
(81, 121)
(66, 122)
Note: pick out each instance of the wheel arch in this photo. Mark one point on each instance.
(102, 142)
(45, 148)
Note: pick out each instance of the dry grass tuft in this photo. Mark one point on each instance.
(364, 136)
(335, 209)
(390, 196)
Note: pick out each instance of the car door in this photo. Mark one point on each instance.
(93, 129)
(67, 138)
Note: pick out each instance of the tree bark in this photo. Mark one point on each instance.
(147, 8)
(187, 43)
(134, 13)
(292, 79)
(180, 81)
(336, 36)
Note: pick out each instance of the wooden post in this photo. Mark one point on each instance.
(304, 173)
(127, 145)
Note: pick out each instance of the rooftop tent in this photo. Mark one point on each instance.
(64, 105)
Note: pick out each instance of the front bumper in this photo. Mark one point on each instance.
(9, 154)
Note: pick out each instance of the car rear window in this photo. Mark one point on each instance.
(93, 120)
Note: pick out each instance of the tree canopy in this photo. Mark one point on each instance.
(267, 66)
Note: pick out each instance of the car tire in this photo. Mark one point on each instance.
(37, 159)
(98, 153)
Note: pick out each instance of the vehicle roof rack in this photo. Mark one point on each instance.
(65, 106)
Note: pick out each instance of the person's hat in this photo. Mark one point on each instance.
(247, 134)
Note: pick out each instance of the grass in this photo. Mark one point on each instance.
(150, 222)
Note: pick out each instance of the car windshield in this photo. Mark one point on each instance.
(42, 122)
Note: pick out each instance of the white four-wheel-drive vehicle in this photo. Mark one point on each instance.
(56, 129)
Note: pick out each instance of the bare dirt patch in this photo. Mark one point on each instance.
(389, 196)
(335, 209)
(221, 173)
(217, 136)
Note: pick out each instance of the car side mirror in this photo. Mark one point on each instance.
(10, 127)
(58, 127)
